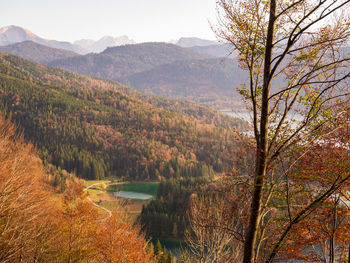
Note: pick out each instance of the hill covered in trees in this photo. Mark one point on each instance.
(119, 62)
(205, 81)
(154, 68)
(37, 52)
(99, 128)
(166, 70)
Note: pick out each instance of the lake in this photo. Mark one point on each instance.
(142, 191)
(293, 119)
(133, 195)
(244, 115)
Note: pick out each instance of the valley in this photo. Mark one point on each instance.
(97, 129)
(146, 138)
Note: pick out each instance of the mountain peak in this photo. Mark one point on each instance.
(104, 43)
(16, 28)
(194, 41)
(11, 27)
(14, 34)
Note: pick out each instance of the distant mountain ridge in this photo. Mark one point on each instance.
(194, 41)
(14, 34)
(200, 73)
(36, 52)
(208, 81)
(119, 62)
(218, 50)
(103, 43)
(165, 70)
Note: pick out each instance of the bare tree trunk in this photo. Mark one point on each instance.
(332, 238)
(331, 248)
(262, 145)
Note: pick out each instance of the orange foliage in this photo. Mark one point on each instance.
(118, 241)
(25, 224)
(323, 236)
(34, 228)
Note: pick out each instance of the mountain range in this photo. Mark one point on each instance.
(194, 41)
(37, 52)
(14, 34)
(165, 70)
(198, 73)
(103, 43)
(119, 62)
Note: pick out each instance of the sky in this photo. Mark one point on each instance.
(140, 20)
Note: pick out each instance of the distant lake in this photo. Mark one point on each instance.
(244, 115)
(142, 191)
(150, 188)
(293, 118)
(133, 195)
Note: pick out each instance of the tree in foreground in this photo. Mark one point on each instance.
(217, 217)
(295, 53)
(119, 241)
(25, 220)
(35, 227)
(324, 235)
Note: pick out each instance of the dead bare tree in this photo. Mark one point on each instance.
(217, 222)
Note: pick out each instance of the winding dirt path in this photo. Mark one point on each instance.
(97, 205)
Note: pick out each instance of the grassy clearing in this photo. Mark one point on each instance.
(100, 196)
(145, 188)
(131, 208)
(94, 191)
(90, 182)
(112, 205)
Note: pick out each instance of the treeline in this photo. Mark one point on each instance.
(96, 129)
(39, 226)
(165, 216)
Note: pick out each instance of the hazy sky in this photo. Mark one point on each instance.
(141, 20)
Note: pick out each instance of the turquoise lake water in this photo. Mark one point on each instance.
(133, 195)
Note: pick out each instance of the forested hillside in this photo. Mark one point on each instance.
(166, 216)
(163, 69)
(119, 62)
(37, 52)
(205, 81)
(98, 128)
(166, 70)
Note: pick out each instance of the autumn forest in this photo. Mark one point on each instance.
(235, 150)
